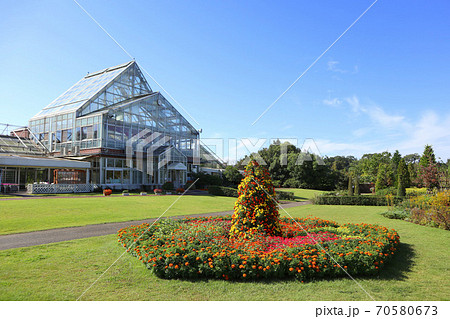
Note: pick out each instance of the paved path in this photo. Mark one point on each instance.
(70, 233)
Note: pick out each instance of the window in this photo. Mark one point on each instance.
(58, 137)
(95, 131)
(86, 132)
(78, 134)
(67, 135)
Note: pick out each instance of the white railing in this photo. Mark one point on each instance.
(59, 188)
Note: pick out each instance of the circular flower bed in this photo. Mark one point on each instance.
(307, 248)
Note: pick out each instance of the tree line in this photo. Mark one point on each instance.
(295, 169)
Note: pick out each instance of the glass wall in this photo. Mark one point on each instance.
(109, 109)
(154, 114)
(169, 167)
(63, 132)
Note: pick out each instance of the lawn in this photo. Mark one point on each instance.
(62, 271)
(302, 194)
(27, 215)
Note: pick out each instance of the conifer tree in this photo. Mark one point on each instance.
(427, 157)
(394, 163)
(350, 184)
(357, 190)
(428, 170)
(381, 177)
(408, 176)
(402, 173)
(255, 210)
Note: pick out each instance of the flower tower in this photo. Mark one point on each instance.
(255, 211)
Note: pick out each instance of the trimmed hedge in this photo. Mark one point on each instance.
(355, 200)
(233, 192)
(285, 195)
(222, 191)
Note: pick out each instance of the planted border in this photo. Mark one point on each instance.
(368, 200)
(199, 248)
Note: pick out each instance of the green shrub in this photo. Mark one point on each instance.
(431, 210)
(204, 180)
(282, 195)
(168, 186)
(396, 214)
(386, 191)
(233, 192)
(350, 185)
(339, 192)
(353, 200)
(357, 190)
(276, 184)
(292, 183)
(222, 191)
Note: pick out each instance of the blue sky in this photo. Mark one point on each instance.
(383, 86)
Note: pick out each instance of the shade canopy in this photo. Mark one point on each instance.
(41, 162)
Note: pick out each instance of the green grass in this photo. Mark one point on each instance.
(45, 213)
(302, 194)
(62, 271)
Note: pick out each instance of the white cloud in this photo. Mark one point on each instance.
(376, 113)
(432, 129)
(380, 116)
(333, 66)
(354, 103)
(361, 131)
(393, 131)
(332, 102)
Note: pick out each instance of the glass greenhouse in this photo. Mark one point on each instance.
(131, 135)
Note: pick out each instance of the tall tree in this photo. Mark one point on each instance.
(412, 158)
(368, 165)
(402, 175)
(382, 177)
(396, 160)
(427, 157)
(357, 190)
(232, 176)
(350, 184)
(407, 175)
(428, 170)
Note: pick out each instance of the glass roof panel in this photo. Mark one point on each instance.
(129, 84)
(82, 91)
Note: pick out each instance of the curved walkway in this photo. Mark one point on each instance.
(63, 234)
